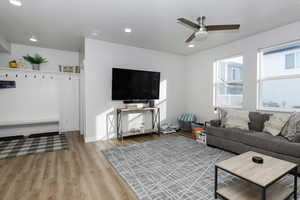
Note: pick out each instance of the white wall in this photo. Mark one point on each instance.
(101, 57)
(54, 57)
(4, 45)
(199, 68)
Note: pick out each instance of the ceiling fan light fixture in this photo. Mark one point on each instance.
(201, 29)
(127, 30)
(33, 39)
(202, 33)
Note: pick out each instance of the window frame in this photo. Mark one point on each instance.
(260, 80)
(216, 83)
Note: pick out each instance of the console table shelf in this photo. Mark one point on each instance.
(155, 112)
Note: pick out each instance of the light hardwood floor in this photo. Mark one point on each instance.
(82, 173)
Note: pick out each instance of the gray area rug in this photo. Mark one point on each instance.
(171, 169)
(29, 146)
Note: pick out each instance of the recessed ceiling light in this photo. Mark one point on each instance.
(127, 30)
(191, 45)
(95, 34)
(15, 2)
(33, 39)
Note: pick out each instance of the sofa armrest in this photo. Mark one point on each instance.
(215, 123)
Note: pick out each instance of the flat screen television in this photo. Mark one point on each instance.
(135, 84)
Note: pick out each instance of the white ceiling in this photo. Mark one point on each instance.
(62, 24)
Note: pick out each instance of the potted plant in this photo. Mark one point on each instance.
(35, 61)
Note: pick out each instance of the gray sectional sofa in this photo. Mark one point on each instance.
(240, 141)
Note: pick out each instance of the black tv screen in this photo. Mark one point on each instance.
(134, 84)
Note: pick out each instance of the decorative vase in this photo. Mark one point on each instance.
(13, 65)
(36, 66)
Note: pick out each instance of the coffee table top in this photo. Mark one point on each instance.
(260, 174)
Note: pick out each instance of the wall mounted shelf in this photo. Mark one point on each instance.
(28, 70)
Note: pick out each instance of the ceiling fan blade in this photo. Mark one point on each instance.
(222, 27)
(188, 23)
(190, 38)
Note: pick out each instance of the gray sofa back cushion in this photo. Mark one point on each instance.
(257, 120)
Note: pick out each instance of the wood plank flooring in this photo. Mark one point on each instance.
(81, 173)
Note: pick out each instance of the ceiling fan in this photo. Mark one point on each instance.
(201, 30)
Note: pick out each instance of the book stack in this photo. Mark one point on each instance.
(199, 135)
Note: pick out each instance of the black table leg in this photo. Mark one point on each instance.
(216, 181)
(263, 193)
(295, 183)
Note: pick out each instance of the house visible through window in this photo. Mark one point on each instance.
(279, 78)
(292, 60)
(228, 84)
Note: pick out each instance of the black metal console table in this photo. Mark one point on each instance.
(155, 111)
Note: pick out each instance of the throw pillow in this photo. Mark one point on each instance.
(276, 123)
(292, 127)
(237, 119)
(257, 121)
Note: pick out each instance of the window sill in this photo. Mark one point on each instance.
(230, 107)
(277, 110)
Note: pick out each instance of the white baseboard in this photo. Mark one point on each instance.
(95, 138)
(91, 139)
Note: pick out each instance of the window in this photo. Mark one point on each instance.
(228, 84)
(279, 78)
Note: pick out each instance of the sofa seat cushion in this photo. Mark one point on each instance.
(268, 142)
(261, 140)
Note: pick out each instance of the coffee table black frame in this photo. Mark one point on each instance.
(292, 171)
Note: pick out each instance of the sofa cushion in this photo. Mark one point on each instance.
(261, 140)
(268, 142)
(237, 119)
(257, 120)
(292, 127)
(276, 122)
(297, 138)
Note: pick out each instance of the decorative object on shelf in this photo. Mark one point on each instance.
(59, 68)
(7, 84)
(35, 61)
(68, 69)
(258, 160)
(20, 63)
(151, 103)
(77, 69)
(13, 64)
